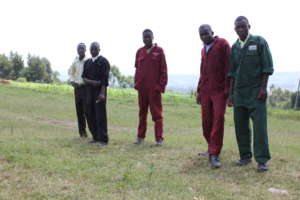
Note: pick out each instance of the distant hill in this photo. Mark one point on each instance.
(186, 83)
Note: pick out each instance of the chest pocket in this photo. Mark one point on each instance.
(251, 53)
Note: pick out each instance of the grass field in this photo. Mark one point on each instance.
(42, 157)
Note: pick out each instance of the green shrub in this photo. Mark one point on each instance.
(21, 79)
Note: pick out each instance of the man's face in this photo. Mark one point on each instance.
(206, 35)
(242, 27)
(148, 38)
(94, 50)
(81, 51)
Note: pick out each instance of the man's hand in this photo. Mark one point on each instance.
(100, 98)
(75, 85)
(198, 100)
(262, 94)
(230, 101)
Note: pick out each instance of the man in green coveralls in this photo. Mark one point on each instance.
(251, 65)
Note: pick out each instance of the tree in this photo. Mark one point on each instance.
(35, 70)
(117, 79)
(48, 71)
(17, 65)
(5, 67)
(55, 76)
(280, 97)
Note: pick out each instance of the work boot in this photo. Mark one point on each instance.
(159, 142)
(139, 140)
(243, 161)
(262, 167)
(214, 161)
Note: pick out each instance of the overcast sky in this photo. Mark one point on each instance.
(53, 28)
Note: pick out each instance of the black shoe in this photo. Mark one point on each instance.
(139, 140)
(159, 142)
(205, 154)
(243, 161)
(101, 144)
(262, 167)
(214, 161)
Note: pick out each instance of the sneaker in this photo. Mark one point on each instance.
(101, 144)
(243, 161)
(159, 142)
(262, 167)
(214, 161)
(139, 140)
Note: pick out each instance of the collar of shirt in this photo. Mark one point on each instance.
(242, 43)
(95, 58)
(208, 46)
(150, 50)
(78, 60)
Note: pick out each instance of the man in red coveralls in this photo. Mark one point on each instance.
(213, 90)
(150, 81)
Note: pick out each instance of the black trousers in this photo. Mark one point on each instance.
(96, 115)
(80, 103)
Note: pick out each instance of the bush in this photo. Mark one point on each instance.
(21, 80)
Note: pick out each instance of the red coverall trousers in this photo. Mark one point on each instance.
(213, 110)
(150, 98)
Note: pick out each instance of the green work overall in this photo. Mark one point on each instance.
(248, 64)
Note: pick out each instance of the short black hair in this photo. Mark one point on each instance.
(95, 44)
(240, 18)
(148, 30)
(205, 26)
(81, 44)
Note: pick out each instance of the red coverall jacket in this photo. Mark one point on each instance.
(214, 69)
(151, 69)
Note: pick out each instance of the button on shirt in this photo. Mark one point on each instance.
(95, 58)
(76, 70)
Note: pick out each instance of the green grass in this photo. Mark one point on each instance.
(42, 157)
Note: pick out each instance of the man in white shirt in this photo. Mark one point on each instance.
(75, 73)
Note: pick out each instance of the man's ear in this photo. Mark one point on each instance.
(212, 33)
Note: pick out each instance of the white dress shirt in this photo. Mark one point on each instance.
(76, 69)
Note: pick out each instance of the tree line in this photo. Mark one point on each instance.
(38, 69)
(283, 98)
